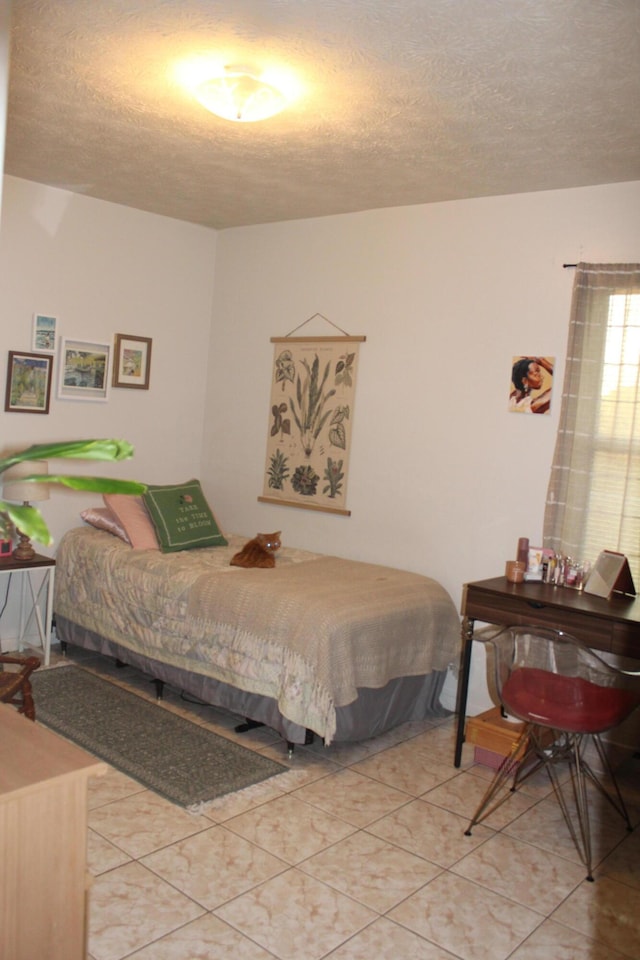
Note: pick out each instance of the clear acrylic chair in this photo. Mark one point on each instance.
(567, 696)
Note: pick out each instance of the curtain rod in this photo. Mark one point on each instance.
(565, 265)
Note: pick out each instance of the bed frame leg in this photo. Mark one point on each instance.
(248, 725)
(309, 737)
(253, 724)
(159, 685)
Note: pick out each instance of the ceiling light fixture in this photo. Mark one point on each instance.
(240, 94)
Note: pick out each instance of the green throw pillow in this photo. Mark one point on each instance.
(182, 517)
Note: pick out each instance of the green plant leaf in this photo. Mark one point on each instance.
(28, 520)
(95, 484)
(73, 449)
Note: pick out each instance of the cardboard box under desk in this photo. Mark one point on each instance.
(493, 736)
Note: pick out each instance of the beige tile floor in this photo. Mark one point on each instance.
(356, 853)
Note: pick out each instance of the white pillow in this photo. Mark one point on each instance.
(103, 519)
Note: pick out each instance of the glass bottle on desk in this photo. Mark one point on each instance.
(558, 574)
(549, 572)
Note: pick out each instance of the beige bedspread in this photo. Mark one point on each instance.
(307, 633)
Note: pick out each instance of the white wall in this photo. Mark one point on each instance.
(443, 478)
(104, 269)
(5, 20)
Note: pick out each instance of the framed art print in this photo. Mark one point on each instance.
(83, 373)
(28, 383)
(44, 333)
(132, 362)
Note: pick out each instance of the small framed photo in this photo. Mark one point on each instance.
(534, 565)
(132, 362)
(44, 333)
(83, 372)
(28, 383)
(531, 384)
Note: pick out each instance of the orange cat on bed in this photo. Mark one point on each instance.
(258, 552)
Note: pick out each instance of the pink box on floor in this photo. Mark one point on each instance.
(488, 758)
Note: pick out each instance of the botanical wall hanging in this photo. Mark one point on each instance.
(313, 386)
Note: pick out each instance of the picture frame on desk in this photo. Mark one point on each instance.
(534, 564)
(611, 574)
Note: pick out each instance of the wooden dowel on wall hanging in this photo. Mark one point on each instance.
(305, 506)
(341, 339)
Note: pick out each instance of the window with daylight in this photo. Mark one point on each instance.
(593, 501)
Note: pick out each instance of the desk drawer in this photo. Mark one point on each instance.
(511, 610)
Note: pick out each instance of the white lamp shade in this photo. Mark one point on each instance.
(16, 489)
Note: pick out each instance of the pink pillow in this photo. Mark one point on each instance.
(103, 519)
(132, 514)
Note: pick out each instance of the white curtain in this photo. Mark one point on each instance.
(593, 500)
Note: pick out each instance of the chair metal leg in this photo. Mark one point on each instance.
(579, 784)
(570, 749)
(534, 750)
(507, 770)
(616, 801)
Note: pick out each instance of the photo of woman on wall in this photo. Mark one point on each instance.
(531, 384)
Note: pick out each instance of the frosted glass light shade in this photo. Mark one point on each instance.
(241, 96)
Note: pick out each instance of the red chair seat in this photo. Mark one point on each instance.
(565, 703)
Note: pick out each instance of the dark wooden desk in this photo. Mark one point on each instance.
(610, 625)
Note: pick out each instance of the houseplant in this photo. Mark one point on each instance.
(28, 519)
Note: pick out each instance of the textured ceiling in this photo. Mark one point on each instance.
(403, 102)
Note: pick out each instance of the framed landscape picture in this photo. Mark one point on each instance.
(83, 373)
(132, 362)
(28, 383)
(44, 333)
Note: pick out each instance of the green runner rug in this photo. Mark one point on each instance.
(178, 759)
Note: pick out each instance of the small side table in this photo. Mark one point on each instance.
(31, 593)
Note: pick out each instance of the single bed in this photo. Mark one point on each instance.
(341, 648)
